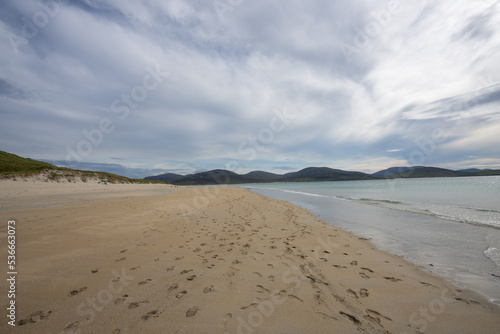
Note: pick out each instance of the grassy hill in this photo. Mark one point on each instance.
(15, 167)
(11, 163)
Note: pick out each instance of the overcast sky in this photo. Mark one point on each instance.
(274, 85)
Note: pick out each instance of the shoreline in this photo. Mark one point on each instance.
(218, 260)
(453, 251)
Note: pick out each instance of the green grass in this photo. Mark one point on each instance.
(13, 167)
(11, 163)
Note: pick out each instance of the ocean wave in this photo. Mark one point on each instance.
(465, 215)
(493, 254)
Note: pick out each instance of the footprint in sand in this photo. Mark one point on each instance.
(468, 301)
(248, 306)
(339, 267)
(192, 277)
(363, 293)
(367, 269)
(350, 317)
(133, 305)
(295, 297)
(271, 278)
(173, 287)
(185, 271)
(210, 266)
(154, 313)
(192, 312)
(95, 270)
(352, 293)
(363, 275)
(121, 299)
(34, 317)
(354, 263)
(170, 268)
(225, 319)
(375, 316)
(134, 268)
(146, 281)
(74, 325)
(261, 289)
(427, 284)
(137, 304)
(208, 289)
(392, 279)
(75, 292)
(121, 259)
(231, 272)
(181, 294)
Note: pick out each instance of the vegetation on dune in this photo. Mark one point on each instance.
(11, 163)
(15, 167)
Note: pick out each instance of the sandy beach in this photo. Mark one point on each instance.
(156, 259)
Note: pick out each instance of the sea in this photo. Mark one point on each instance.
(449, 226)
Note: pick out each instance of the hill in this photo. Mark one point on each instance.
(310, 174)
(168, 177)
(325, 174)
(11, 163)
(216, 176)
(390, 172)
(421, 171)
(313, 174)
(15, 167)
(261, 175)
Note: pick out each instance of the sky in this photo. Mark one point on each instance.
(146, 87)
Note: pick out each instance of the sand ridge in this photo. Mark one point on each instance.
(235, 262)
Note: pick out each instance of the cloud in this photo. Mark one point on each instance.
(413, 69)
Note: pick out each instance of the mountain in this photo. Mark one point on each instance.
(473, 170)
(221, 176)
(325, 174)
(261, 175)
(168, 177)
(419, 171)
(216, 176)
(389, 172)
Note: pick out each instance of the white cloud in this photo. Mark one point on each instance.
(227, 76)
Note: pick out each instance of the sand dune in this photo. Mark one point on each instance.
(212, 260)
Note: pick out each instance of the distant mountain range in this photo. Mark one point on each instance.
(12, 166)
(314, 174)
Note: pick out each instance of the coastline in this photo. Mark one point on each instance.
(213, 260)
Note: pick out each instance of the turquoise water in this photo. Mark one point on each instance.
(450, 226)
(474, 200)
